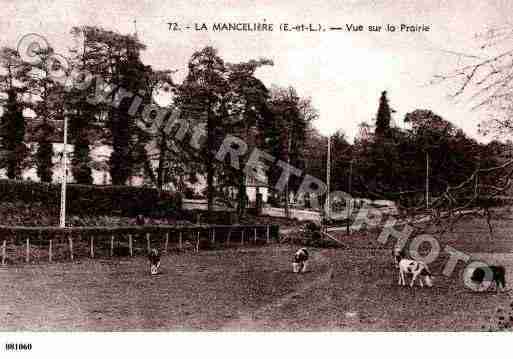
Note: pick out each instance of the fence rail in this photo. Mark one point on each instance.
(35, 244)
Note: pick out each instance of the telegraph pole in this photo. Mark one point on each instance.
(328, 179)
(349, 189)
(62, 222)
(289, 145)
(427, 180)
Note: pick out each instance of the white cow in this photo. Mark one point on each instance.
(413, 267)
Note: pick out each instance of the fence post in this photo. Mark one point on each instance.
(268, 237)
(50, 250)
(92, 247)
(213, 235)
(27, 254)
(228, 237)
(166, 243)
(4, 251)
(148, 244)
(242, 237)
(70, 239)
(111, 245)
(180, 243)
(197, 242)
(130, 245)
(255, 239)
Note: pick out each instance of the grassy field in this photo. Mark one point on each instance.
(254, 289)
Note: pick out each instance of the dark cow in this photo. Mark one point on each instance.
(300, 260)
(479, 275)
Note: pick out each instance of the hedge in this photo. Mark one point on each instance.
(91, 199)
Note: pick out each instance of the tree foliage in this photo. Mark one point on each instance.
(13, 74)
(383, 117)
(48, 105)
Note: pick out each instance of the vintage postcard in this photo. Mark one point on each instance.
(188, 167)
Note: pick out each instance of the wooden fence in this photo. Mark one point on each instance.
(26, 244)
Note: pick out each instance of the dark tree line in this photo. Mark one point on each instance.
(388, 162)
(220, 99)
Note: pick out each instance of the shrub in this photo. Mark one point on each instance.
(89, 199)
(310, 235)
(313, 232)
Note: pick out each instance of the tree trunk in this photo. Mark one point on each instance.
(242, 196)
(210, 162)
(162, 160)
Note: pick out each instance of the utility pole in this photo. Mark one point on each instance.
(350, 180)
(427, 180)
(349, 189)
(328, 180)
(289, 145)
(62, 221)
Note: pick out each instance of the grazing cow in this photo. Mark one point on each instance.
(300, 261)
(498, 276)
(416, 268)
(398, 255)
(154, 258)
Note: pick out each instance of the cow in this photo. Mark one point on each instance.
(498, 276)
(417, 269)
(398, 254)
(300, 260)
(154, 258)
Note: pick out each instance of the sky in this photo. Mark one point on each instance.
(342, 72)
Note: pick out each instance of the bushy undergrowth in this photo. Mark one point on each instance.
(90, 199)
(309, 235)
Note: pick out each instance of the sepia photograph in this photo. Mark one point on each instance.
(225, 167)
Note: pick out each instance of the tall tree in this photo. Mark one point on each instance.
(341, 162)
(13, 74)
(248, 104)
(163, 157)
(48, 106)
(83, 116)
(114, 59)
(383, 117)
(285, 133)
(13, 133)
(129, 75)
(315, 153)
(449, 153)
(380, 153)
(203, 98)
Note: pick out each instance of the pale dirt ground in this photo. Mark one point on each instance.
(240, 289)
(254, 289)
